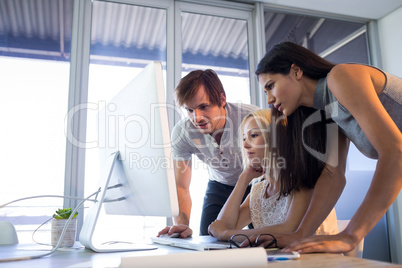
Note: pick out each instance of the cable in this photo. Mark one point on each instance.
(37, 230)
(115, 186)
(114, 200)
(64, 229)
(60, 196)
(39, 243)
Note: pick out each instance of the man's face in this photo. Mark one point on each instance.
(207, 118)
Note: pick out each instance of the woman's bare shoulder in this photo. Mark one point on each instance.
(345, 69)
(359, 76)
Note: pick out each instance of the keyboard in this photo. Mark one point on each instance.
(200, 243)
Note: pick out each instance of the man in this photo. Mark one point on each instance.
(211, 132)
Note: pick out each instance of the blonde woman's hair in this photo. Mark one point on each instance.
(263, 119)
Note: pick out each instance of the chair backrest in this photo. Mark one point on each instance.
(358, 251)
(8, 235)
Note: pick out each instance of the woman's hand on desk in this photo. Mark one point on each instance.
(218, 230)
(182, 229)
(339, 243)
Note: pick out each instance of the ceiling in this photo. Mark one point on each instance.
(33, 28)
(366, 9)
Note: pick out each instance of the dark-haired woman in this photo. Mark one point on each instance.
(366, 104)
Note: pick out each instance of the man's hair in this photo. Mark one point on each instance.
(189, 85)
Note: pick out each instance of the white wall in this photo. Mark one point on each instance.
(390, 35)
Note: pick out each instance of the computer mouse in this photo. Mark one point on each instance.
(174, 235)
(8, 235)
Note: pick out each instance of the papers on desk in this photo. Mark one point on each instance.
(244, 257)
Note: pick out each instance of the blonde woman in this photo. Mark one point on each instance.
(272, 205)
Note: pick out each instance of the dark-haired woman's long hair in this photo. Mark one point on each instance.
(302, 169)
(281, 57)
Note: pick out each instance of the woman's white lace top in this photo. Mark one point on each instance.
(271, 211)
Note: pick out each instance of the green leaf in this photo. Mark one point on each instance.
(64, 213)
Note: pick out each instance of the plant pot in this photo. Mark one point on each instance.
(57, 229)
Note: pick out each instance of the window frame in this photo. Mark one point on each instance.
(78, 91)
(222, 9)
(79, 72)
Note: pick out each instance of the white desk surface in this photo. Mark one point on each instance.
(81, 257)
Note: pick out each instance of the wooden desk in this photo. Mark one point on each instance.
(331, 260)
(82, 258)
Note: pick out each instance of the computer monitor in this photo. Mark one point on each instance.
(135, 153)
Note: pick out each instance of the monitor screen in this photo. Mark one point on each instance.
(137, 175)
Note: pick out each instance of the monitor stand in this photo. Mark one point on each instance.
(115, 168)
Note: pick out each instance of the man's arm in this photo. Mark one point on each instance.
(182, 170)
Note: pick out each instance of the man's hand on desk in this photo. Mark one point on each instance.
(182, 229)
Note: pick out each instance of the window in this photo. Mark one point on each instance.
(125, 38)
(42, 58)
(339, 42)
(336, 40)
(216, 40)
(34, 63)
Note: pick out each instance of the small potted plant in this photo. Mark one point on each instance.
(58, 223)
